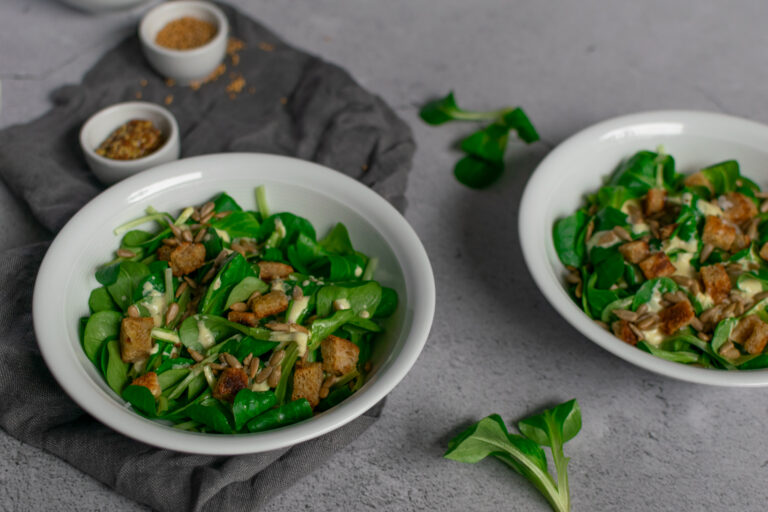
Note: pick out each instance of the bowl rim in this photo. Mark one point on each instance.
(535, 252)
(168, 145)
(391, 226)
(222, 31)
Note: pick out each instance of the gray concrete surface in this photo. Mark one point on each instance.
(648, 443)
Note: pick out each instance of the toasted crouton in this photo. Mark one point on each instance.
(758, 339)
(230, 381)
(657, 265)
(186, 258)
(307, 380)
(654, 201)
(717, 283)
(243, 317)
(625, 333)
(149, 381)
(666, 231)
(698, 179)
(164, 252)
(634, 252)
(270, 304)
(738, 208)
(339, 355)
(718, 233)
(269, 270)
(743, 330)
(135, 338)
(676, 316)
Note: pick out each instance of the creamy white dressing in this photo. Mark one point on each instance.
(223, 235)
(155, 349)
(358, 271)
(216, 283)
(155, 304)
(301, 339)
(683, 265)
(654, 305)
(705, 300)
(653, 336)
(595, 241)
(365, 314)
(298, 306)
(260, 386)
(204, 335)
(676, 243)
(277, 285)
(341, 304)
(708, 208)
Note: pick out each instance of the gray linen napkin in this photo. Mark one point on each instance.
(293, 104)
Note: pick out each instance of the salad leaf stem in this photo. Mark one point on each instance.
(119, 230)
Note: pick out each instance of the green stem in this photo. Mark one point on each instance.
(261, 201)
(138, 222)
(466, 115)
(561, 463)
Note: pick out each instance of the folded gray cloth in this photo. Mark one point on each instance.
(293, 104)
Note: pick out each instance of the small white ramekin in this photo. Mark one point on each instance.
(184, 66)
(100, 125)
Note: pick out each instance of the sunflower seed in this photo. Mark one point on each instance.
(752, 228)
(274, 377)
(602, 324)
(683, 280)
(254, 295)
(671, 297)
(197, 356)
(643, 309)
(625, 314)
(186, 235)
(176, 230)
(247, 360)
(622, 233)
(190, 282)
(573, 278)
(638, 332)
(173, 311)
(760, 296)
(578, 290)
(730, 310)
(221, 215)
(220, 258)
(133, 311)
(277, 358)
(697, 324)
(125, 253)
(217, 366)
(706, 251)
(764, 207)
(647, 322)
(171, 241)
(264, 374)
(590, 229)
(703, 336)
(232, 361)
(200, 235)
(695, 287)
(253, 367)
(206, 208)
(297, 293)
(238, 248)
(210, 274)
(182, 287)
(195, 215)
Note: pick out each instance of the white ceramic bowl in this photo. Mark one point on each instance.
(184, 66)
(579, 165)
(324, 196)
(100, 125)
(103, 5)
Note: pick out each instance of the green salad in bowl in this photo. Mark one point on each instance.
(218, 319)
(674, 264)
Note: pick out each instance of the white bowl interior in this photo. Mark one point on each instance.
(581, 164)
(319, 194)
(100, 126)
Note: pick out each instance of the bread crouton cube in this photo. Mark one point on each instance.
(149, 381)
(243, 317)
(718, 233)
(657, 265)
(269, 270)
(136, 339)
(743, 330)
(698, 179)
(625, 333)
(186, 258)
(272, 303)
(164, 252)
(654, 201)
(676, 316)
(665, 232)
(717, 283)
(737, 207)
(307, 381)
(339, 355)
(230, 381)
(635, 252)
(758, 339)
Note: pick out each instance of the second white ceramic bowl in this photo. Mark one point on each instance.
(101, 124)
(184, 66)
(323, 196)
(580, 165)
